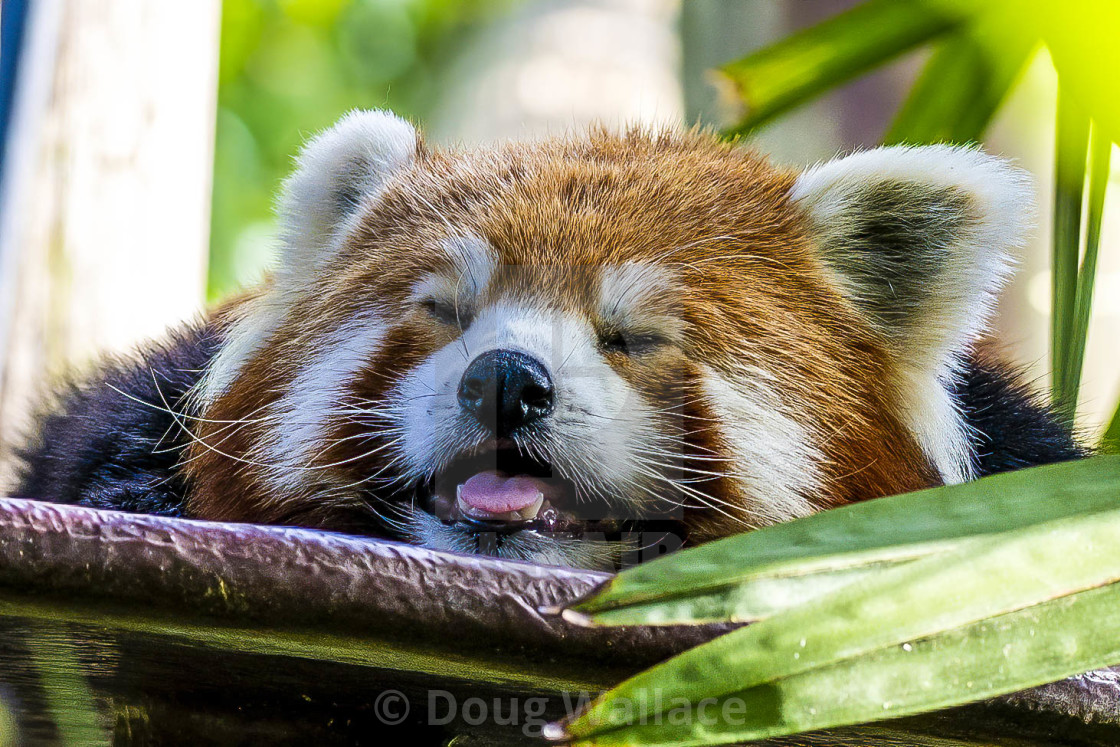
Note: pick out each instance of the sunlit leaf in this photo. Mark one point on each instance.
(1099, 161)
(961, 86)
(802, 66)
(763, 595)
(1081, 36)
(1028, 647)
(1110, 443)
(1041, 569)
(751, 576)
(1071, 147)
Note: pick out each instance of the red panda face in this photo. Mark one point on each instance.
(569, 351)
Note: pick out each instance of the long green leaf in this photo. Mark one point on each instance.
(1004, 654)
(756, 598)
(1100, 155)
(961, 86)
(1081, 36)
(935, 598)
(1110, 443)
(802, 66)
(753, 575)
(1071, 147)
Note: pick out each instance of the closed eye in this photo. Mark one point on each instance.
(631, 343)
(445, 312)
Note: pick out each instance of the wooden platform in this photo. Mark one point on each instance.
(125, 629)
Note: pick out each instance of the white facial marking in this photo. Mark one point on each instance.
(633, 295)
(257, 319)
(474, 259)
(315, 398)
(936, 421)
(774, 461)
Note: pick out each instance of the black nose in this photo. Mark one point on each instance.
(505, 389)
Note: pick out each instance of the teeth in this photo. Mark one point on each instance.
(534, 508)
(529, 512)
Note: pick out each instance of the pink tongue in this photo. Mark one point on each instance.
(493, 493)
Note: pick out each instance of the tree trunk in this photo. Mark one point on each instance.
(106, 225)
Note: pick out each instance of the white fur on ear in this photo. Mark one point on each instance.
(920, 240)
(336, 172)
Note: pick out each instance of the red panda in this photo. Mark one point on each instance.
(553, 351)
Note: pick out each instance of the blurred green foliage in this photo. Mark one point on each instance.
(292, 67)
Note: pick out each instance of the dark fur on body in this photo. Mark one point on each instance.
(114, 442)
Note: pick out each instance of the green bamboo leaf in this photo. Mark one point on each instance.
(1110, 442)
(804, 65)
(935, 598)
(1099, 161)
(1071, 147)
(753, 575)
(757, 598)
(962, 85)
(1081, 36)
(1001, 655)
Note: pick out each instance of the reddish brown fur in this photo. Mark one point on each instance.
(716, 217)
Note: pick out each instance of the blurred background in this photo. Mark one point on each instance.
(144, 141)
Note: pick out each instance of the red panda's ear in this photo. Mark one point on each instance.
(335, 172)
(919, 239)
